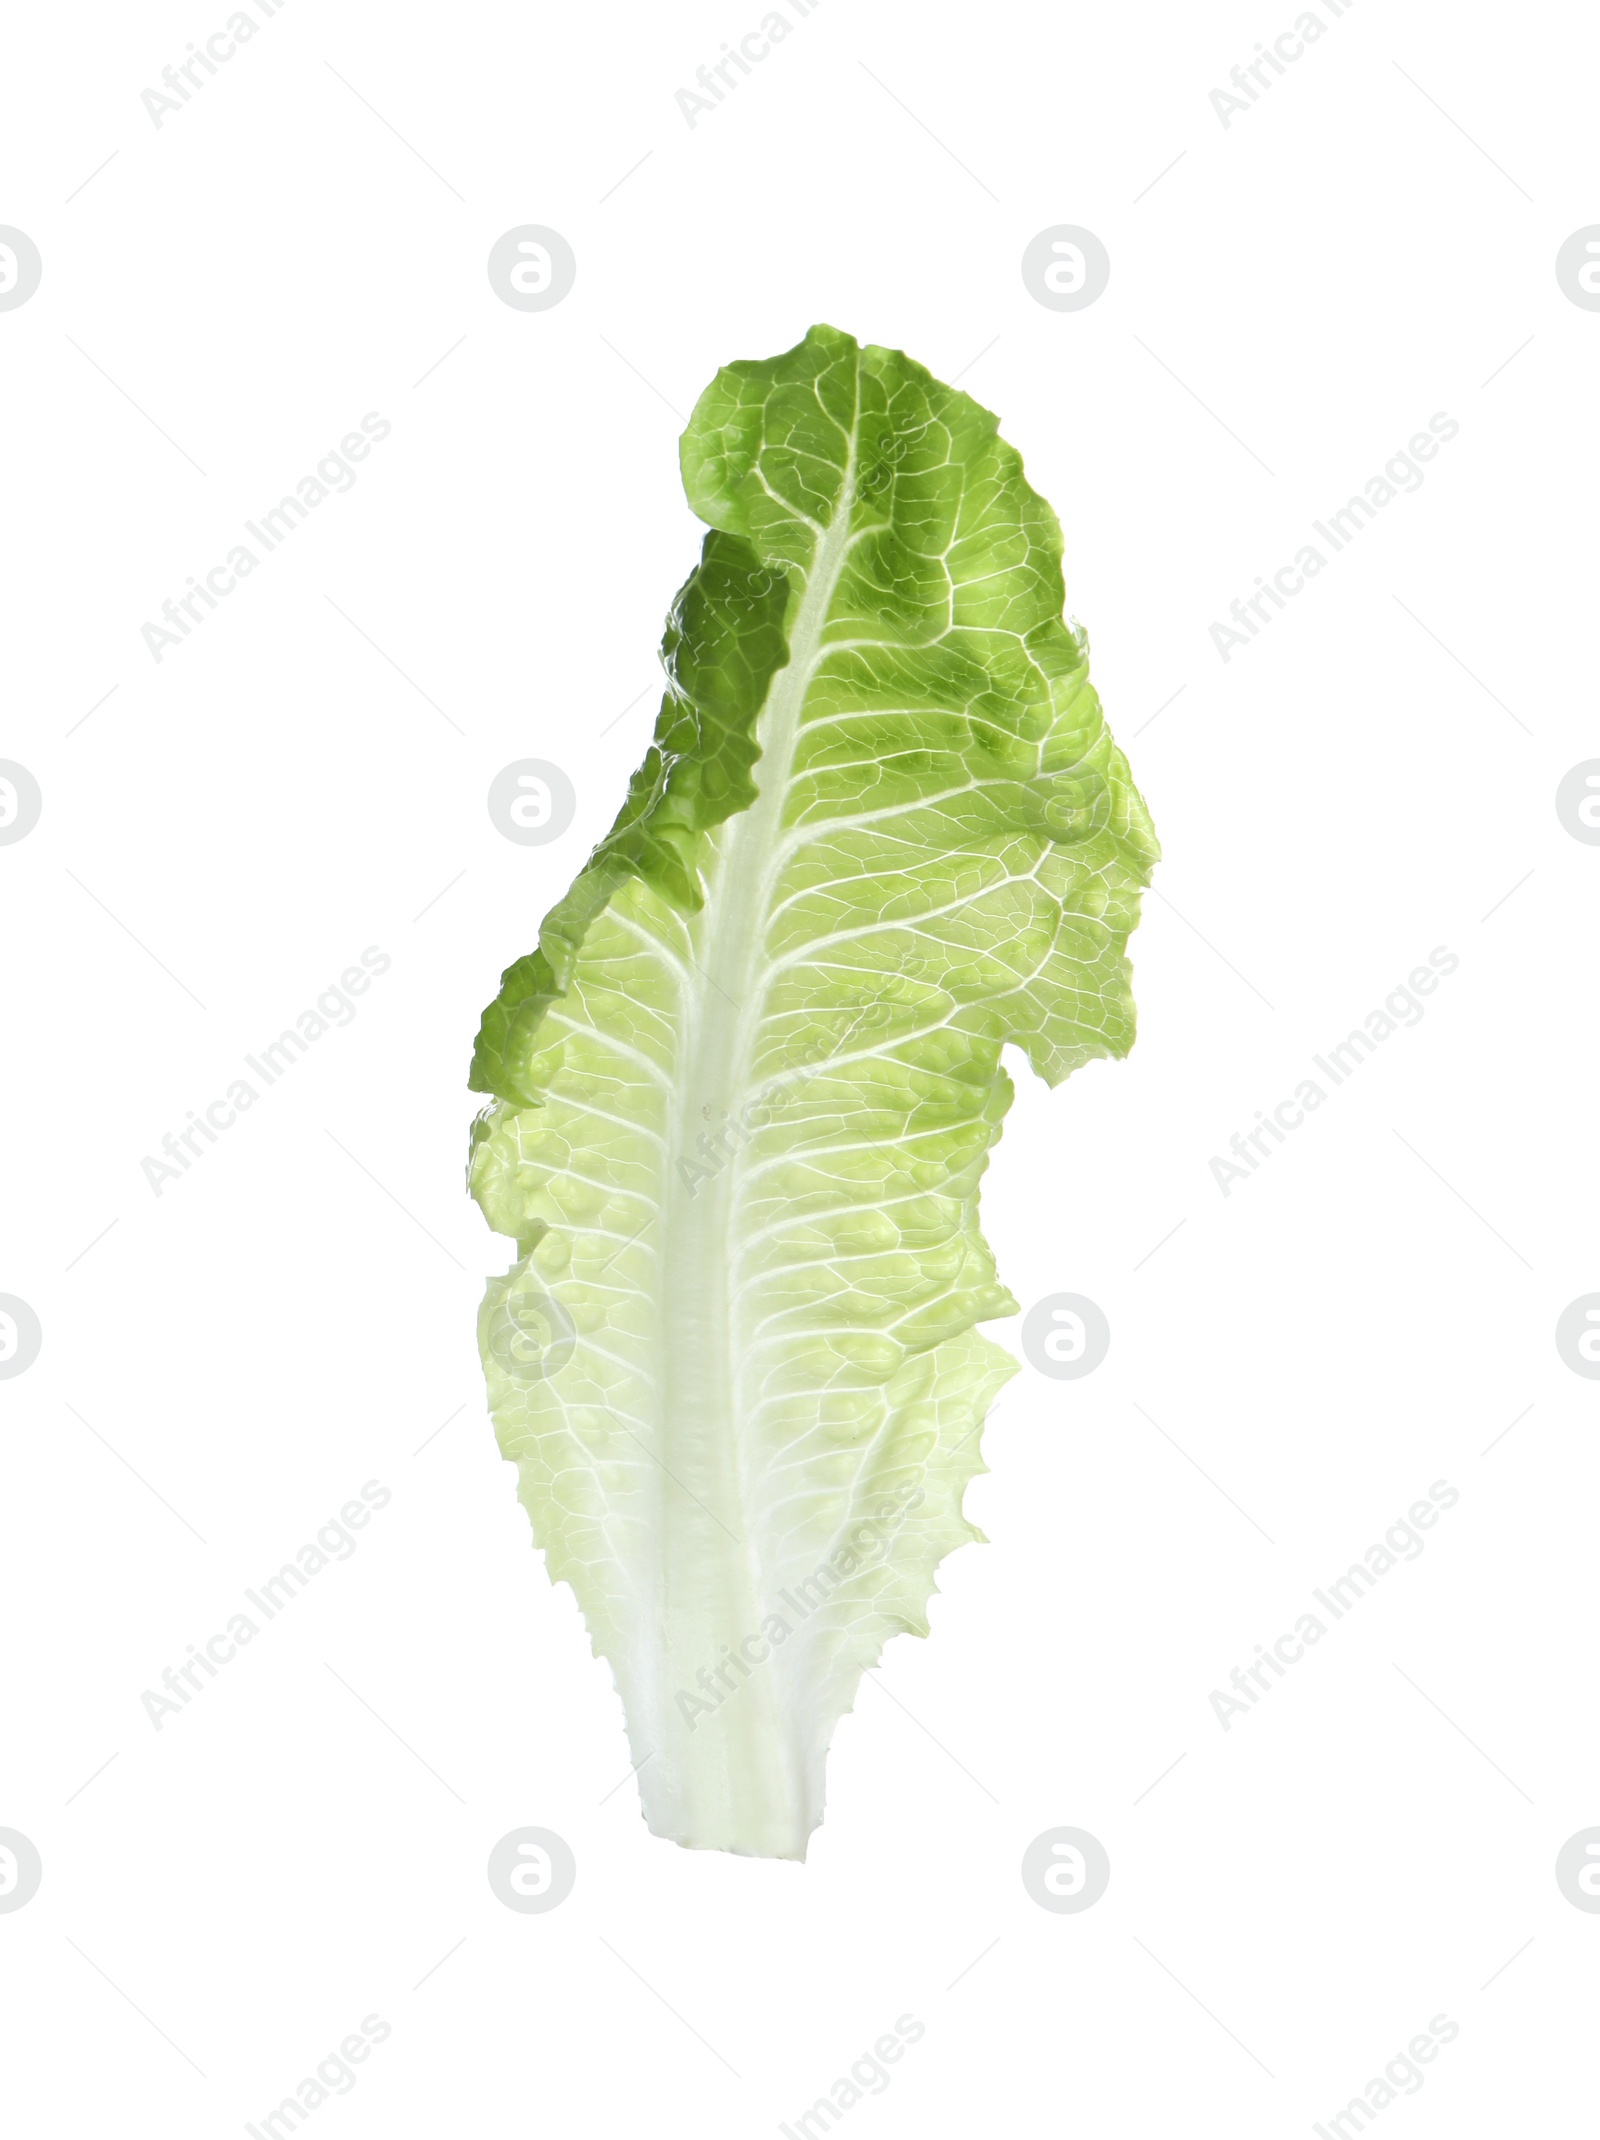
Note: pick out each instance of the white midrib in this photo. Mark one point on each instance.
(736, 1780)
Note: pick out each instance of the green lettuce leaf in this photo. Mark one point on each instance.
(746, 1086)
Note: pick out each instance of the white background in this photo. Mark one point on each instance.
(305, 776)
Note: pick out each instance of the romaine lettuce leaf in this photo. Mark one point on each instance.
(746, 1086)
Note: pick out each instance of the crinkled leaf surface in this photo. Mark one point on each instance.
(746, 1086)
